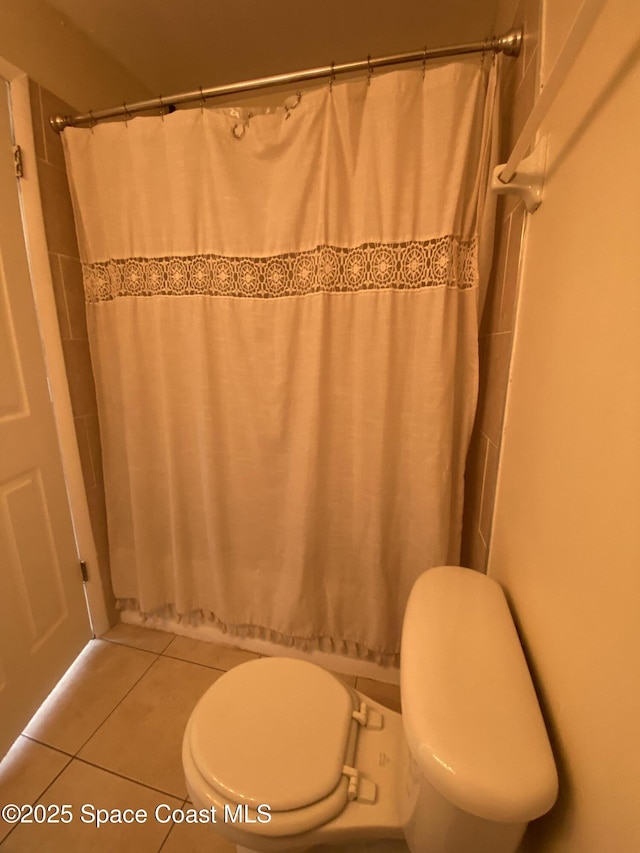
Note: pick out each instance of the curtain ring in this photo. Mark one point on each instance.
(369, 70)
(161, 107)
(332, 79)
(202, 100)
(92, 121)
(240, 128)
(288, 108)
(424, 62)
(127, 114)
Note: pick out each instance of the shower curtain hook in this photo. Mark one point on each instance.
(369, 70)
(289, 107)
(127, 114)
(333, 76)
(92, 121)
(424, 62)
(161, 107)
(202, 100)
(243, 127)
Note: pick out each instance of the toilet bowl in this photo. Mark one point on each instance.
(286, 757)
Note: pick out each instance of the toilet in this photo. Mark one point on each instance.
(286, 757)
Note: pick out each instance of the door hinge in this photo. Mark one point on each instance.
(17, 161)
(83, 571)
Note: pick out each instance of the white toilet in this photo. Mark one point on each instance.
(291, 758)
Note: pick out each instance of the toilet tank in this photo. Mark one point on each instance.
(471, 715)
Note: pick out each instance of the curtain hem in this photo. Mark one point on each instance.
(348, 648)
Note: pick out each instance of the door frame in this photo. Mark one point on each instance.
(42, 284)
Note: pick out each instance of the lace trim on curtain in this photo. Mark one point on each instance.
(446, 261)
(258, 632)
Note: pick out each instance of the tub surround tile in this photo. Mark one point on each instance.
(56, 206)
(475, 471)
(80, 374)
(74, 292)
(81, 784)
(489, 491)
(346, 679)
(101, 677)
(52, 105)
(519, 89)
(146, 639)
(60, 296)
(88, 474)
(386, 694)
(495, 358)
(473, 553)
(95, 445)
(506, 319)
(142, 739)
(491, 311)
(98, 512)
(25, 772)
(208, 654)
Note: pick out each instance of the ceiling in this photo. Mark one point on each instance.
(176, 45)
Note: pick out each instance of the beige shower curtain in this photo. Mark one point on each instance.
(284, 339)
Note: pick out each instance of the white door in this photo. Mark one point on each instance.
(44, 622)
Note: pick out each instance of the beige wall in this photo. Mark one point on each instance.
(52, 52)
(566, 537)
(519, 86)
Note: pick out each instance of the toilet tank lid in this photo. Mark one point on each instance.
(470, 712)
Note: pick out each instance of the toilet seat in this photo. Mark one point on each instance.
(277, 732)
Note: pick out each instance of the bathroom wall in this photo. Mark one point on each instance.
(43, 44)
(566, 538)
(519, 87)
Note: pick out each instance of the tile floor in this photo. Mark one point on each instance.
(110, 737)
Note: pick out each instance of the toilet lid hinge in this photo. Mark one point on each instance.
(367, 717)
(362, 790)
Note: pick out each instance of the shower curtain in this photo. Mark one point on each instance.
(282, 311)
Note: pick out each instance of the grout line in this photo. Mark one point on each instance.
(45, 789)
(138, 680)
(166, 838)
(48, 745)
(128, 778)
(173, 823)
(195, 663)
(129, 645)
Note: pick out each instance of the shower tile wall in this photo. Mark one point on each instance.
(69, 295)
(519, 87)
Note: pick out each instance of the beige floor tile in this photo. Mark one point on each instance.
(386, 694)
(207, 654)
(140, 638)
(196, 838)
(142, 739)
(102, 675)
(25, 771)
(81, 785)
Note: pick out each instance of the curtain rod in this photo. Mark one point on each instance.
(509, 44)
